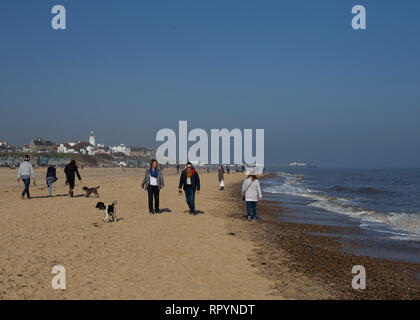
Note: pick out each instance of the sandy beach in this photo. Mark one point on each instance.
(216, 254)
(172, 255)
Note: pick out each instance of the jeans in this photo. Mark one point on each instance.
(190, 197)
(50, 181)
(153, 191)
(27, 182)
(251, 209)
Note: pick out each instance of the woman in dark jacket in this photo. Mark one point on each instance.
(51, 178)
(153, 182)
(71, 170)
(190, 182)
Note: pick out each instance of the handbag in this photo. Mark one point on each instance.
(243, 196)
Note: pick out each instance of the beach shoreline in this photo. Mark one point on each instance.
(320, 258)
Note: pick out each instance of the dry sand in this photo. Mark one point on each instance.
(172, 255)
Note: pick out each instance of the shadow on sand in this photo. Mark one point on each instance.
(58, 195)
(196, 212)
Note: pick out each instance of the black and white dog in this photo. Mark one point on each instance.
(109, 210)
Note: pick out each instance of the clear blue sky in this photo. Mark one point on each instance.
(323, 92)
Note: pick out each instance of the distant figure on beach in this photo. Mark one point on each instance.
(208, 169)
(153, 182)
(25, 172)
(228, 169)
(51, 178)
(236, 168)
(251, 193)
(177, 168)
(220, 174)
(190, 182)
(71, 170)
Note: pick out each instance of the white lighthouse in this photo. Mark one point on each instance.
(92, 138)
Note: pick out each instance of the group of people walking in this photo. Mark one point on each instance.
(189, 181)
(153, 182)
(26, 171)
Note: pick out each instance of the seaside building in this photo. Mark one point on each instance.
(23, 148)
(121, 149)
(40, 145)
(79, 147)
(141, 152)
(101, 149)
(5, 148)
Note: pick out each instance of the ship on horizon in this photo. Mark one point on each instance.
(301, 164)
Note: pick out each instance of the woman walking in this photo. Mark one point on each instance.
(153, 182)
(51, 178)
(25, 172)
(190, 182)
(251, 193)
(71, 170)
(221, 178)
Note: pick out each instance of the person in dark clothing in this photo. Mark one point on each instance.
(153, 182)
(51, 178)
(190, 182)
(71, 170)
(177, 168)
(220, 174)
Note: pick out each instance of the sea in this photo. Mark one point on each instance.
(382, 204)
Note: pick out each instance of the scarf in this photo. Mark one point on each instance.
(189, 174)
(154, 173)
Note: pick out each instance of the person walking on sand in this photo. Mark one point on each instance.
(51, 178)
(251, 193)
(153, 182)
(25, 172)
(221, 178)
(190, 182)
(71, 170)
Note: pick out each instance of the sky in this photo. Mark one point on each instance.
(323, 92)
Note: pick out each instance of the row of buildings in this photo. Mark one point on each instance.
(90, 147)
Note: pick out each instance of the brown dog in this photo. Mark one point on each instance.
(89, 191)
